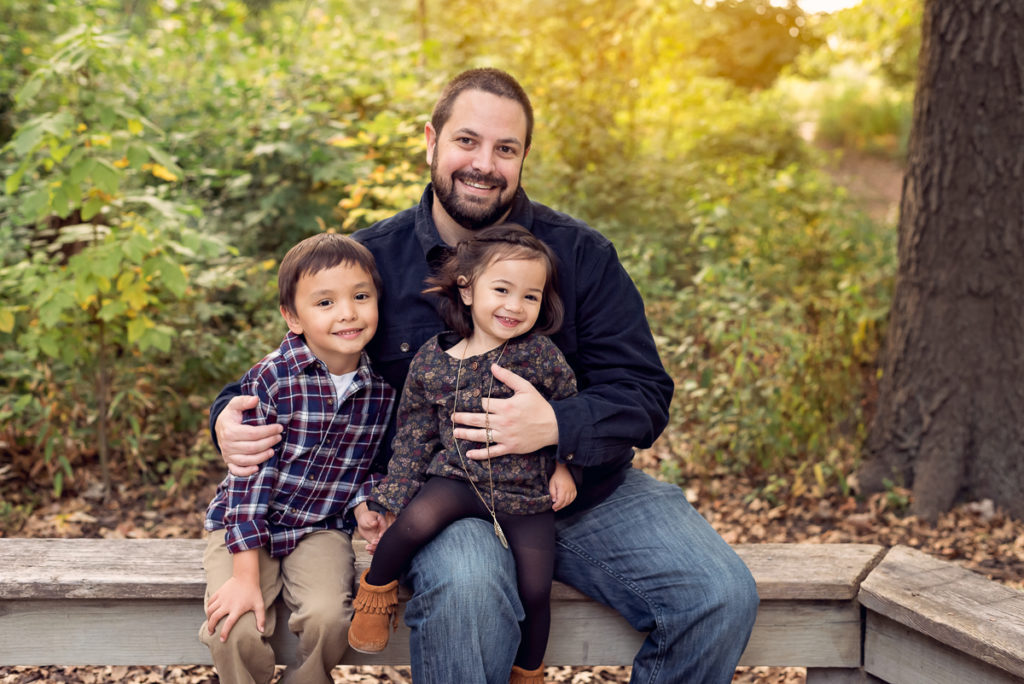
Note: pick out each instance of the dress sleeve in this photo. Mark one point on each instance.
(416, 442)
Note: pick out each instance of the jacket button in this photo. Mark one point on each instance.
(404, 346)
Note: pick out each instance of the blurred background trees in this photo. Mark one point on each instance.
(159, 158)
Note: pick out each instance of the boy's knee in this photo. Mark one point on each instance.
(243, 637)
(322, 616)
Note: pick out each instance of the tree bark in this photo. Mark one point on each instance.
(950, 419)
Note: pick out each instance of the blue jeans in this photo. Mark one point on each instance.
(644, 551)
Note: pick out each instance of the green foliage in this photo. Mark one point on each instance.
(143, 141)
(873, 120)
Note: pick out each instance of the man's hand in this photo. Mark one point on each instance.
(244, 447)
(523, 423)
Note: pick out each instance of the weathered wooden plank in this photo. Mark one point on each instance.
(899, 654)
(101, 568)
(948, 603)
(831, 572)
(125, 591)
(165, 632)
(805, 634)
(172, 568)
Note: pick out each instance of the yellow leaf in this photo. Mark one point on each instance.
(162, 173)
(134, 126)
(121, 163)
(6, 320)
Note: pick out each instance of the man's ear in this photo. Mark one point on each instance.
(431, 135)
(465, 290)
(292, 319)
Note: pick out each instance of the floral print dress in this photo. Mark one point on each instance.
(424, 446)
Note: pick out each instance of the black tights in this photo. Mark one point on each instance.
(442, 501)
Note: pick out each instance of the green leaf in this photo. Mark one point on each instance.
(92, 206)
(137, 155)
(164, 159)
(172, 276)
(137, 328)
(106, 176)
(81, 170)
(60, 202)
(12, 182)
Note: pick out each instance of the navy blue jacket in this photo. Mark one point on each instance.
(624, 389)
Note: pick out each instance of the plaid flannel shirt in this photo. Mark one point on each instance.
(319, 470)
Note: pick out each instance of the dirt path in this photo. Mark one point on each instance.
(875, 183)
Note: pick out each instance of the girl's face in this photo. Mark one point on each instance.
(504, 300)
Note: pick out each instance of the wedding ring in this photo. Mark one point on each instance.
(490, 435)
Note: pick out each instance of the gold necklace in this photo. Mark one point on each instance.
(487, 433)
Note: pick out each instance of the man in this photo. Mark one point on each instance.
(628, 540)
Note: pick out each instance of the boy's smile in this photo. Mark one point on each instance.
(336, 312)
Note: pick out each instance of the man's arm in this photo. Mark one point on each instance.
(243, 447)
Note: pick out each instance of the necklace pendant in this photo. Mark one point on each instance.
(500, 533)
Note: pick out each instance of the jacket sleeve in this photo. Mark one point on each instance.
(624, 389)
(227, 394)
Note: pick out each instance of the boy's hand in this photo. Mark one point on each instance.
(371, 525)
(234, 599)
(562, 487)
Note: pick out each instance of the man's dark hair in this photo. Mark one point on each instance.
(473, 256)
(316, 253)
(493, 81)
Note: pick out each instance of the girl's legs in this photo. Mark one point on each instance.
(532, 540)
(438, 503)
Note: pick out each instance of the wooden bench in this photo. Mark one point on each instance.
(139, 602)
(847, 612)
(929, 621)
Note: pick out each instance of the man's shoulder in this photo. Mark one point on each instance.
(394, 227)
(561, 228)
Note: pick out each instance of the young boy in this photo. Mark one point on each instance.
(287, 529)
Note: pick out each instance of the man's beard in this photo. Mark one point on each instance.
(468, 214)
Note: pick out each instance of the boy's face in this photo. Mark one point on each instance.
(336, 311)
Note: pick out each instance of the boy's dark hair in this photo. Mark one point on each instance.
(493, 81)
(472, 256)
(314, 254)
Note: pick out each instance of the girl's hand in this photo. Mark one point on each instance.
(371, 525)
(562, 487)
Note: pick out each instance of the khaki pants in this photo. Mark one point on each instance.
(315, 581)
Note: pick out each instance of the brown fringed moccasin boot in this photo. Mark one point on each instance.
(376, 610)
(521, 676)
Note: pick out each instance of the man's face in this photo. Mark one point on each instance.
(476, 159)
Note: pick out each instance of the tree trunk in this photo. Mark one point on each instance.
(950, 419)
